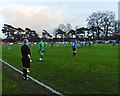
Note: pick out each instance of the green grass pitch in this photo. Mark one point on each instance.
(94, 70)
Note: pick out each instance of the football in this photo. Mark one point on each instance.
(40, 59)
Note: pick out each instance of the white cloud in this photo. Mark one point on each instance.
(46, 16)
(2, 35)
(79, 18)
(34, 17)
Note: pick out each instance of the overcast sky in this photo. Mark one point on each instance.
(39, 15)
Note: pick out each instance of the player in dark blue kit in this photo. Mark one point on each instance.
(74, 48)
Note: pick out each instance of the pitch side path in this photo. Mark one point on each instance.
(13, 84)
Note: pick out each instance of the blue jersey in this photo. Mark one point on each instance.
(74, 45)
(113, 41)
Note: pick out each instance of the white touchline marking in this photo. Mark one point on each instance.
(35, 80)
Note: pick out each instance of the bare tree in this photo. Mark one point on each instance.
(68, 27)
(101, 22)
(109, 21)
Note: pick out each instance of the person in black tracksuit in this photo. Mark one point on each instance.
(26, 58)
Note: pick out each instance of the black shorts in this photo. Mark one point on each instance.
(26, 63)
(74, 49)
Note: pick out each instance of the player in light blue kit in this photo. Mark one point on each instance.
(74, 48)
